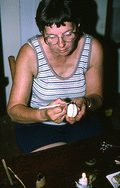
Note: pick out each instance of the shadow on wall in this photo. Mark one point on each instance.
(88, 25)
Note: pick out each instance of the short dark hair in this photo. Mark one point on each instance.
(58, 12)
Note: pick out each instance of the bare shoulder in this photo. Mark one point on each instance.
(26, 51)
(27, 57)
(97, 45)
(96, 53)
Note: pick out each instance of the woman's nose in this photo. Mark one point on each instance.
(61, 42)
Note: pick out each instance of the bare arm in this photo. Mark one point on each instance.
(21, 89)
(94, 77)
(94, 82)
(18, 106)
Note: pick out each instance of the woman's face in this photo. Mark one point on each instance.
(60, 34)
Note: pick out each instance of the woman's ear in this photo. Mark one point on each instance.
(42, 32)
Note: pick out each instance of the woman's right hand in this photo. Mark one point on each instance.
(56, 114)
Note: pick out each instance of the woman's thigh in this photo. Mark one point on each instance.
(35, 136)
(87, 129)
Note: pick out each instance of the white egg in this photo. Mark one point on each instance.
(72, 110)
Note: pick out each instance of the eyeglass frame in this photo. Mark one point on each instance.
(45, 38)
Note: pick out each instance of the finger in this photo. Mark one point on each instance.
(83, 108)
(61, 102)
(59, 119)
(80, 115)
(70, 119)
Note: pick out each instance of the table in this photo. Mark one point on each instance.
(63, 165)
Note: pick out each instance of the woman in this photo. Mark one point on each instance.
(61, 65)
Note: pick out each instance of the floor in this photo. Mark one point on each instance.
(9, 147)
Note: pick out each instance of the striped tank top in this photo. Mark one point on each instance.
(48, 86)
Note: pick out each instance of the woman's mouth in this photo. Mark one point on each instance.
(62, 51)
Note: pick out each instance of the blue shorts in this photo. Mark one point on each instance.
(33, 136)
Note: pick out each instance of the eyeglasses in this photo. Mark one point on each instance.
(66, 37)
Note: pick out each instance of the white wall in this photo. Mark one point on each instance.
(102, 10)
(10, 24)
(27, 19)
(18, 24)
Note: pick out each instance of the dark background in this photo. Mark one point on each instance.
(110, 48)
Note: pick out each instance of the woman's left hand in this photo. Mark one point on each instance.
(81, 107)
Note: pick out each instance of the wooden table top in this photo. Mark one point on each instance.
(63, 165)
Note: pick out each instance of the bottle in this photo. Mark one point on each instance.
(40, 180)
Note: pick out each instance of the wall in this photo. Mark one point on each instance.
(115, 31)
(17, 21)
(119, 71)
(102, 10)
(27, 19)
(115, 34)
(10, 23)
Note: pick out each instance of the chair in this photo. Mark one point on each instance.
(12, 64)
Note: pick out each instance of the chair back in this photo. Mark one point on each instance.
(12, 64)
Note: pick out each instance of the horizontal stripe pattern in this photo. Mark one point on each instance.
(47, 86)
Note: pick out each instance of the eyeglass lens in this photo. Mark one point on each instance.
(53, 39)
